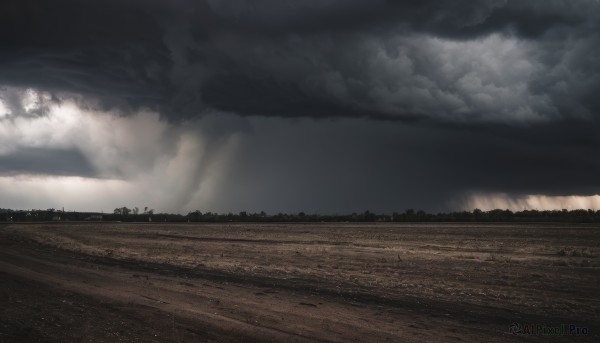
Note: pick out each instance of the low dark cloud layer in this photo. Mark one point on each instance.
(381, 59)
(355, 165)
(494, 96)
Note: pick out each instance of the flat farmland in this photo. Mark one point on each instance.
(347, 282)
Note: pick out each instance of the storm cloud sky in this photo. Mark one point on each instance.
(328, 106)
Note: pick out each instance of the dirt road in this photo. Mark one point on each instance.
(296, 283)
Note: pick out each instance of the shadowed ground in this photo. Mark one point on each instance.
(110, 282)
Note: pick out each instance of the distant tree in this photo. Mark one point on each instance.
(195, 216)
(368, 216)
(135, 210)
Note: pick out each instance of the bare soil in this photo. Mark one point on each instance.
(113, 282)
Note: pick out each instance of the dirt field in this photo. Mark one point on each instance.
(110, 282)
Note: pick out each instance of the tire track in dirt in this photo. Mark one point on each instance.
(224, 307)
(204, 304)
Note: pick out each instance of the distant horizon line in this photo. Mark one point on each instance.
(124, 214)
(247, 212)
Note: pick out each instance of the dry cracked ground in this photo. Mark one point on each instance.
(116, 282)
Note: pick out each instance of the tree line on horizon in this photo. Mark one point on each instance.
(125, 214)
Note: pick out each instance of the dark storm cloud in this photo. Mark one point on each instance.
(456, 19)
(355, 165)
(491, 96)
(331, 58)
(553, 159)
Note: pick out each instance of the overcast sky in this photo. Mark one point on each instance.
(327, 106)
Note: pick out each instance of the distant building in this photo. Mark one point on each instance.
(94, 217)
